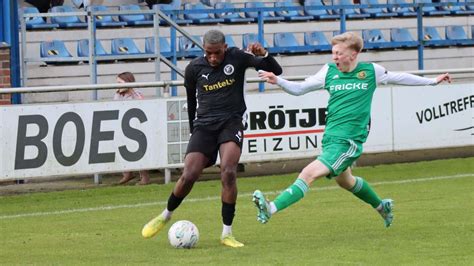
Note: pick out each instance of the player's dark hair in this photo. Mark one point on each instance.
(126, 76)
(214, 37)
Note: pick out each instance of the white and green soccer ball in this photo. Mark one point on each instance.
(183, 234)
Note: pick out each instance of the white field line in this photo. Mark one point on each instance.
(146, 204)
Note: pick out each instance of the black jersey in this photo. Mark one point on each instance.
(216, 94)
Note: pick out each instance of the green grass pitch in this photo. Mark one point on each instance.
(433, 223)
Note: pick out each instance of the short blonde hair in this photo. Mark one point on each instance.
(352, 40)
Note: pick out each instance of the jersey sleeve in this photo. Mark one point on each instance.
(267, 63)
(315, 82)
(190, 85)
(383, 76)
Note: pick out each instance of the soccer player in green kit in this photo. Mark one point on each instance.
(351, 85)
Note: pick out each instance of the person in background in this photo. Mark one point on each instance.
(130, 94)
(43, 5)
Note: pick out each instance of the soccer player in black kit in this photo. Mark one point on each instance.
(217, 116)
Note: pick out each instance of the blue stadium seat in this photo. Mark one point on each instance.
(457, 34)
(230, 41)
(290, 15)
(104, 20)
(66, 21)
(136, 19)
(187, 48)
(317, 40)
(456, 10)
(448, 6)
(317, 14)
(401, 37)
(204, 17)
(176, 18)
(431, 37)
(374, 39)
(83, 48)
(248, 38)
(124, 46)
(230, 17)
(431, 10)
(54, 50)
(37, 22)
(469, 5)
(376, 12)
(350, 12)
(402, 11)
(285, 42)
(267, 16)
(165, 48)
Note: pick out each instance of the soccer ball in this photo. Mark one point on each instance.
(183, 234)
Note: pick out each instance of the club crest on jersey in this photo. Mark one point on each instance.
(228, 69)
(361, 75)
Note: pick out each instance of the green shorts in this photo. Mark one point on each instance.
(339, 154)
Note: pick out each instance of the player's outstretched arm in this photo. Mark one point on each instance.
(443, 77)
(267, 76)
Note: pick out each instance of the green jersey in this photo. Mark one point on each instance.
(350, 95)
(350, 101)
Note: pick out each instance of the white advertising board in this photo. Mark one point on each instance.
(432, 117)
(81, 138)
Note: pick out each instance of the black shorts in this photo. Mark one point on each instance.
(208, 141)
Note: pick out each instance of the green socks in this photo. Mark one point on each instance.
(291, 195)
(297, 190)
(364, 191)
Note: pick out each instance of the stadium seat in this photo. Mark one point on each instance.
(469, 5)
(350, 12)
(285, 42)
(317, 40)
(203, 17)
(124, 46)
(267, 16)
(431, 34)
(248, 38)
(403, 11)
(230, 17)
(401, 37)
(376, 12)
(457, 34)
(431, 10)
(54, 50)
(187, 48)
(104, 20)
(230, 41)
(83, 48)
(290, 15)
(458, 9)
(374, 39)
(135, 19)
(317, 14)
(66, 21)
(431, 37)
(165, 48)
(166, 9)
(37, 22)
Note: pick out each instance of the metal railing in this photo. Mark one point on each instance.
(168, 83)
